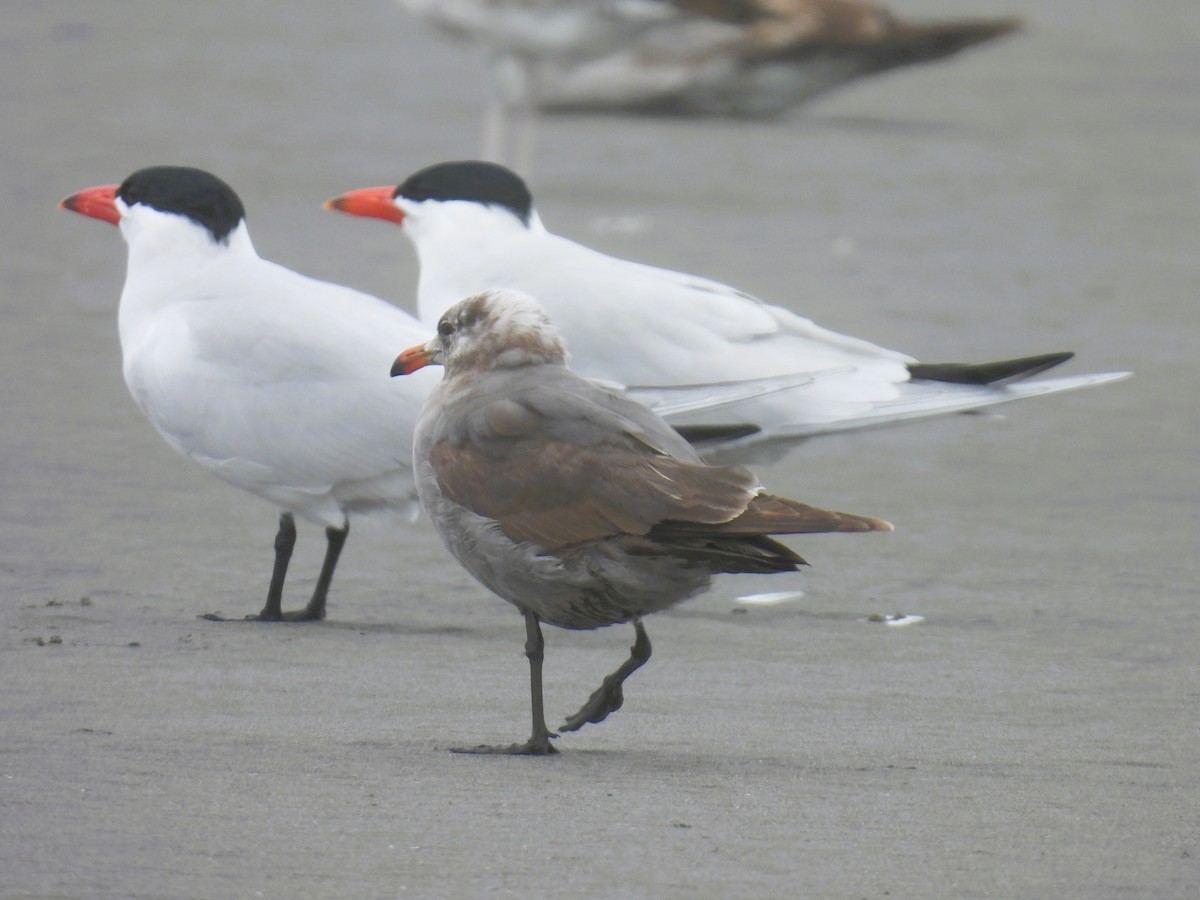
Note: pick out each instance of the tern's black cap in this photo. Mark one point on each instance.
(480, 182)
(201, 196)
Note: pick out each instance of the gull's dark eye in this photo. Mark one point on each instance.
(445, 328)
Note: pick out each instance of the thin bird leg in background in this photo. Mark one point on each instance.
(315, 611)
(608, 697)
(539, 741)
(510, 115)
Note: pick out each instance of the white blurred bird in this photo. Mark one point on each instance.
(713, 57)
(518, 35)
(273, 381)
(475, 228)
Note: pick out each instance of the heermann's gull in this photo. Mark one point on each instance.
(580, 507)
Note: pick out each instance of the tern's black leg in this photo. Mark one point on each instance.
(539, 741)
(608, 697)
(285, 542)
(315, 611)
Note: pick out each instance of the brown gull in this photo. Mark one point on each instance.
(579, 506)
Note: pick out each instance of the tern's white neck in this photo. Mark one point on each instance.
(167, 254)
(437, 224)
(463, 248)
(168, 242)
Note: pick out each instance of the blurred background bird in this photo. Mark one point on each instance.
(743, 58)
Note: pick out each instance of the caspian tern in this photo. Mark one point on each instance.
(273, 381)
(576, 505)
(726, 57)
(475, 228)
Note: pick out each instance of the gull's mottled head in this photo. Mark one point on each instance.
(498, 329)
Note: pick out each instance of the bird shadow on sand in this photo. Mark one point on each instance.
(382, 628)
(742, 616)
(399, 628)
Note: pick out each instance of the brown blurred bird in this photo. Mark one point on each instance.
(578, 506)
(757, 57)
(692, 57)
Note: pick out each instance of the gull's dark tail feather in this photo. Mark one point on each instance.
(733, 554)
(743, 545)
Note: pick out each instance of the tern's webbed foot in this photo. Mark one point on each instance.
(308, 614)
(256, 617)
(532, 747)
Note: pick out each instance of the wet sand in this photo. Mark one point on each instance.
(1035, 736)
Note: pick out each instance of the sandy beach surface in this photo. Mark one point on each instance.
(1035, 736)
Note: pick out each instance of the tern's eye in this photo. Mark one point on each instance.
(445, 328)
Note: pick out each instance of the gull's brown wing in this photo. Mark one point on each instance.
(554, 493)
(555, 460)
(767, 514)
